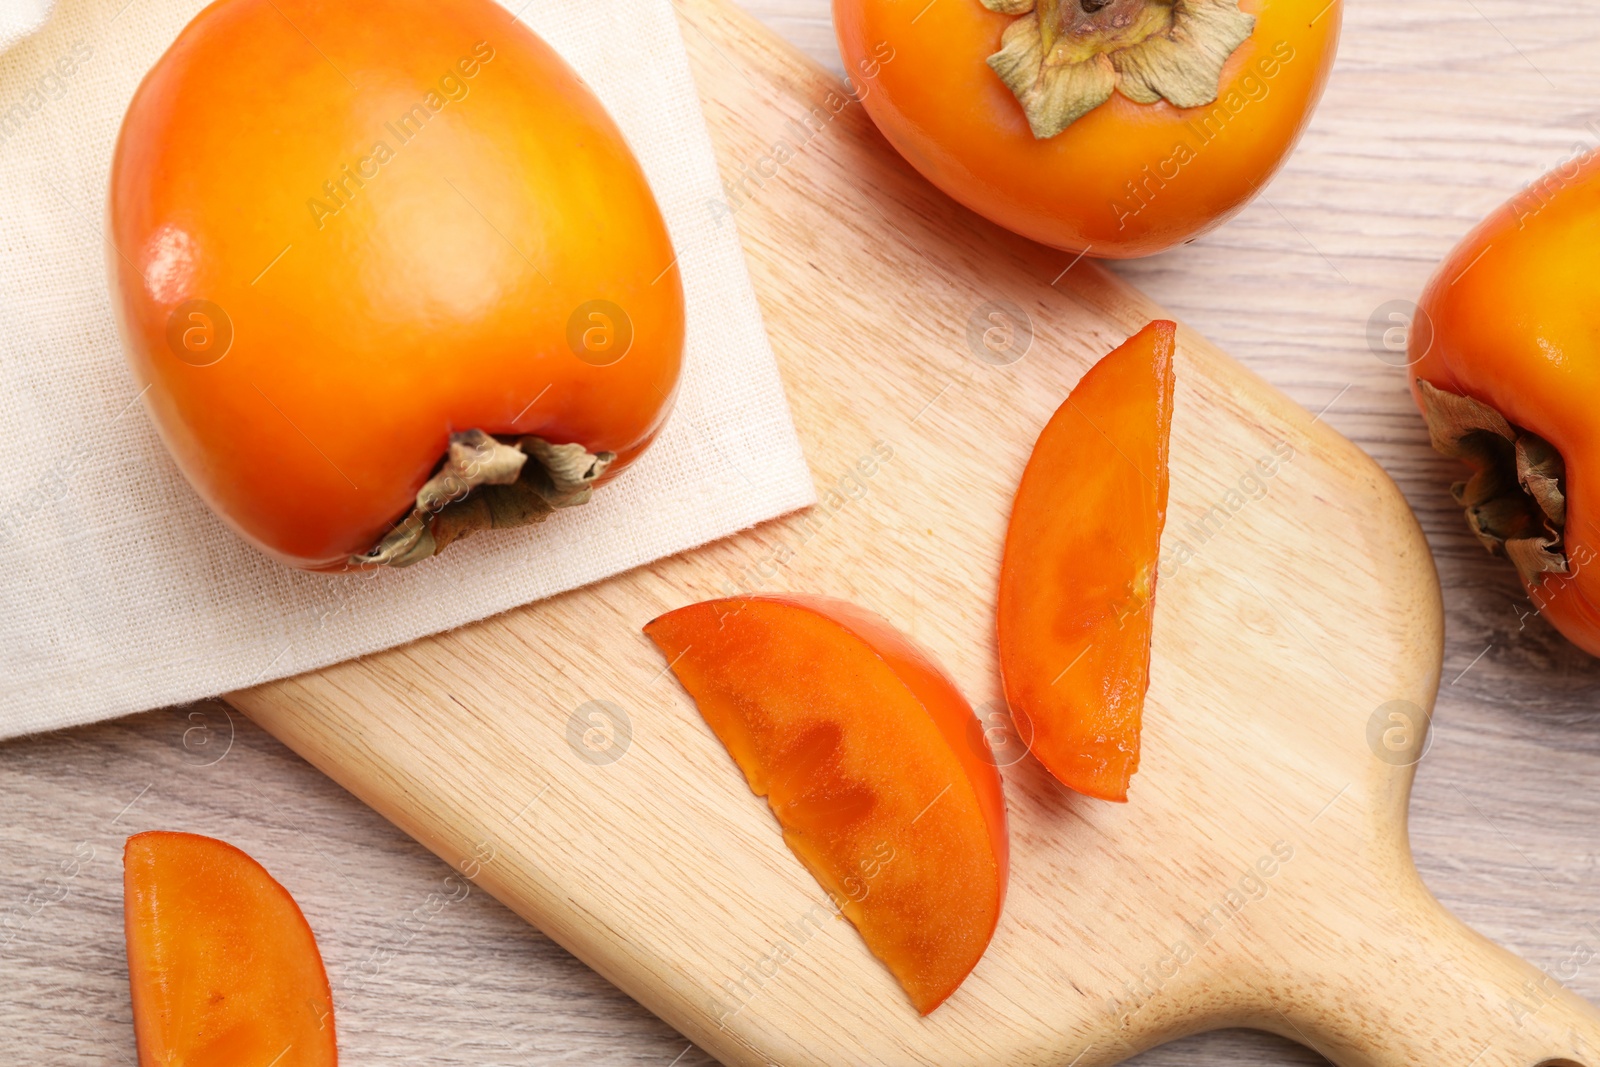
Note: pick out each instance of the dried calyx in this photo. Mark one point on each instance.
(487, 483)
(1064, 58)
(1515, 500)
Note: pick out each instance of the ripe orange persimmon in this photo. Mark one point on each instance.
(1113, 127)
(347, 238)
(1078, 579)
(872, 762)
(223, 967)
(1505, 365)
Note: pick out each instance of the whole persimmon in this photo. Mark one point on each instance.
(1505, 365)
(351, 241)
(1116, 128)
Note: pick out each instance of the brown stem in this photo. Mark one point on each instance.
(487, 483)
(1515, 500)
(1064, 58)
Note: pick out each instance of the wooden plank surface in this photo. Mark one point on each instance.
(1437, 112)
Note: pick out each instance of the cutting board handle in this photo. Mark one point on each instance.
(1419, 987)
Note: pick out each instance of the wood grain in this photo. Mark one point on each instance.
(1433, 117)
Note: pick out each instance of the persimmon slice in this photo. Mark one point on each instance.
(224, 969)
(1078, 579)
(866, 753)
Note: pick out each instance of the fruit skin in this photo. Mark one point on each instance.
(436, 298)
(222, 966)
(873, 763)
(951, 117)
(1078, 578)
(1508, 319)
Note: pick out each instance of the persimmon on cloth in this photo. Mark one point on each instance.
(1078, 580)
(871, 761)
(107, 522)
(223, 967)
(445, 246)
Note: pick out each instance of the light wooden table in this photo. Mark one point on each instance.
(1438, 111)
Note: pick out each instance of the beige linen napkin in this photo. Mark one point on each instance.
(120, 591)
(19, 18)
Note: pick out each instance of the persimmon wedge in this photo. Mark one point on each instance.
(1078, 579)
(866, 752)
(223, 966)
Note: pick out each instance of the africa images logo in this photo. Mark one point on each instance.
(343, 187)
(1254, 87)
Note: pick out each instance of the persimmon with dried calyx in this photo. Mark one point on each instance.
(870, 759)
(1113, 127)
(1078, 578)
(1505, 366)
(223, 967)
(390, 273)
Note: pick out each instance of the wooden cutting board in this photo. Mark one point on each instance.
(1261, 874)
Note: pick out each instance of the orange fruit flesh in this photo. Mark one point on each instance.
(223, 967)
(1078, 581)
(862, 748)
